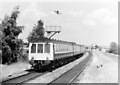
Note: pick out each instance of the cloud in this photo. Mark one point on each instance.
(75, 13)
(28, 17)
(102, 24)
(101, 16)
(32, 13)
(89, 22)
(1, 12)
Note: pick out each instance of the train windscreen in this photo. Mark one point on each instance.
(47, 48)
(33, 48)
(40, 48)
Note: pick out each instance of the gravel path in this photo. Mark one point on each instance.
(103, 69)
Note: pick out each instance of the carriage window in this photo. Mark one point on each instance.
(40, 48)
(47, 48)
(33, 48)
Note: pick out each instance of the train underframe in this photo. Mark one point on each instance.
(49, 65)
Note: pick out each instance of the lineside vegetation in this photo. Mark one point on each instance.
(11, 45)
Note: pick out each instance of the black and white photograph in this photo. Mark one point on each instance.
(59, 42)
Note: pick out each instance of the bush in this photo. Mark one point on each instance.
(113, 48)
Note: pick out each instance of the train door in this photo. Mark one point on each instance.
(48, 51)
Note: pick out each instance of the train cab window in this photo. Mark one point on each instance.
(47, 48)
(33, 48)
(40, 48)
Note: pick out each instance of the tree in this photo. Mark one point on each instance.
(37, 32)
(113, 48)
(1, 46)
(11, 45)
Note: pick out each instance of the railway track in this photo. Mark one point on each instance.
(32, 75)
(23, 78)
(68, 77)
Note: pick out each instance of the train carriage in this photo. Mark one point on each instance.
(45, 51)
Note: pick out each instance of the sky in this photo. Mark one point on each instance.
(84, 22)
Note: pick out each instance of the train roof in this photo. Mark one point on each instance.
(50, 40)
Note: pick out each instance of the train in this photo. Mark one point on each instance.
(46, 52)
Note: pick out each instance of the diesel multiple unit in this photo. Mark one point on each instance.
(45, 51)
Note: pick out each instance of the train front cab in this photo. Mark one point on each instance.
(40, 52)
